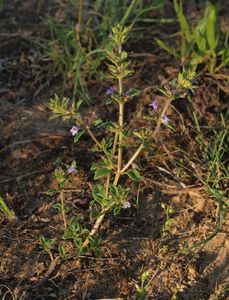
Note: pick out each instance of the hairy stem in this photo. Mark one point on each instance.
(138, 151)
(121, 118)
(94, 229)
(115, 143)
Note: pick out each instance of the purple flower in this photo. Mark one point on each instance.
(71, 170)
(74, 130)
(110, 91)
(165, 120)
(126, 204)
(154, 104)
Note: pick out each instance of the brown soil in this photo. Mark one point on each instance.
(132, 242)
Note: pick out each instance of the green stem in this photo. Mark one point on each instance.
(81, 122)
(118, 173)
(93, 137)
(63, 209)
(78, 28)
(121, 118)
(107, 185)
(138, 151)
(115, 143)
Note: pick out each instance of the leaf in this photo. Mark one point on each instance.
(99, 173)
(98, 192)
(134, 174)
(5, 209)
(200, 36)
(97, 165)
(52, 192)
(57, 206)
(78, 104)
(166, 47)
(138, 134)
(78, 136)
(98, 122)
(123, 55)
(109, 101)
(210, 14)
(62, 251)
(116, 211)
(94, 214)
(183, 22)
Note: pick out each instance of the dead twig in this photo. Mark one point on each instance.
(47, 275)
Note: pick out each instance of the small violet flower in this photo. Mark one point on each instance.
(74, 130)
(154, 105)
(165, 120)
(110, 91)
(71, 170)
(126, 204)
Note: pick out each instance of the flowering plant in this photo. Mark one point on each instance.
(111, 194)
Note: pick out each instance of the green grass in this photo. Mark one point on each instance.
(202, 44)
(9, 213)
(79, 62)
(214, 149)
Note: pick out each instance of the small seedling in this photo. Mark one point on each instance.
(46, 244)
(142, 289)
(9, 213)
(167, 211)
(75, 232)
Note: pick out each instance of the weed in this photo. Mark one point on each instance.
(9, 213)
(203, 44)
(167, 211)
(111, 194)
(214, 149)
(142, 289)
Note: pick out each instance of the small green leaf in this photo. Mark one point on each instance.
(78, 136)
(134, 174)
(99, 173)
(57, 206)
(98, 123)
(62, 251)
(78, 104)
(94, 214)
(166, 47)
(109, 101)
(52, 192)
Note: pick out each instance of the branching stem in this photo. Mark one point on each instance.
(152, 136)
